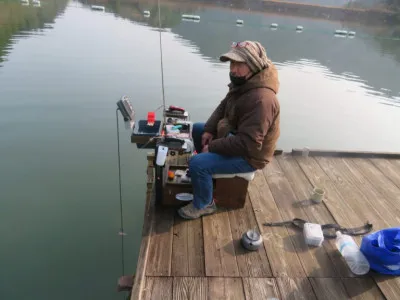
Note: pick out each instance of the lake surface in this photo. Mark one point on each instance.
(61, 76)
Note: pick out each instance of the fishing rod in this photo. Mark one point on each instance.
(161, 61)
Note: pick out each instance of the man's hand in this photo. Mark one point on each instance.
(206, 138)
(205, 149)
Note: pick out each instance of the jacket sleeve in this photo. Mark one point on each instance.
(254, 123)
(218, 114)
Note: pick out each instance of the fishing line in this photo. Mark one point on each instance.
(161, 60)
(121, 231)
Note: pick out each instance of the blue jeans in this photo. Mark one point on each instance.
(203, 165)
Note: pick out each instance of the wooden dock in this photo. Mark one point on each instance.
(203, 259)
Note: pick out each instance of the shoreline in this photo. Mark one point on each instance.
(376, 16)
(329, 13)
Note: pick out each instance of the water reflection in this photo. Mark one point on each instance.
(19, 20)
(372, 57)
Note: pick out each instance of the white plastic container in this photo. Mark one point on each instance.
(354, 258)
(313, 234)
(161, 155)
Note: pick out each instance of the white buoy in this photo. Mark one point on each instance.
(340, 32)
(299, 28)
(274, 25)
(191, 17)
(190, 20)
(239, 22)
(146, 13)
(352, 33)
(98, 7)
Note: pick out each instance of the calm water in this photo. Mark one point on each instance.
(60, 77)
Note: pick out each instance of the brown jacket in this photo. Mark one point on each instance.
(250, 112)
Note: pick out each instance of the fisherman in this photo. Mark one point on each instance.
(241, 134)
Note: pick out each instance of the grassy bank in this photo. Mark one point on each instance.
(15, 17)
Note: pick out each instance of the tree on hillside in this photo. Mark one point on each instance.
(393, 4)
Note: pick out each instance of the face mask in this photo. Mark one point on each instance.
(237, 80)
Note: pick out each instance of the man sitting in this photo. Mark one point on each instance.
(241, 134)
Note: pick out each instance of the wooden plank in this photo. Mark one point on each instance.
(260, 288)
(225, 288)
(147, 289)
(388, 193)
(190, 288)
(196, 258)
(382, 194)
(361, 196)
(280, 250)
(158, 288)
(329, 288)
(350, 189)
(343, 153)
(362, 289)
(396, 162)
(389, 168)
(159, 259)
(139, 282)
(315, 213)
(172, 159)
(187, 248)
(183, 159)
(354, 177)
(150, 177)
(390, 286)
(295, 288)
(150, 158)
(219, 251)
(180, 263)
(250, 263)
(338, 206)
(315, 260)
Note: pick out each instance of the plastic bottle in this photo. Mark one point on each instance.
(161, 155)
(355, 259)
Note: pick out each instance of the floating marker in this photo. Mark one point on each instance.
(191, 17)
(299, 28)
(190, 20)
(340, 32)
(274, 25)
(352, 33)
(146, 13)
(239, 22)
(98, 7)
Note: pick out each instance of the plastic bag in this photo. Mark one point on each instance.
(382, 250)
